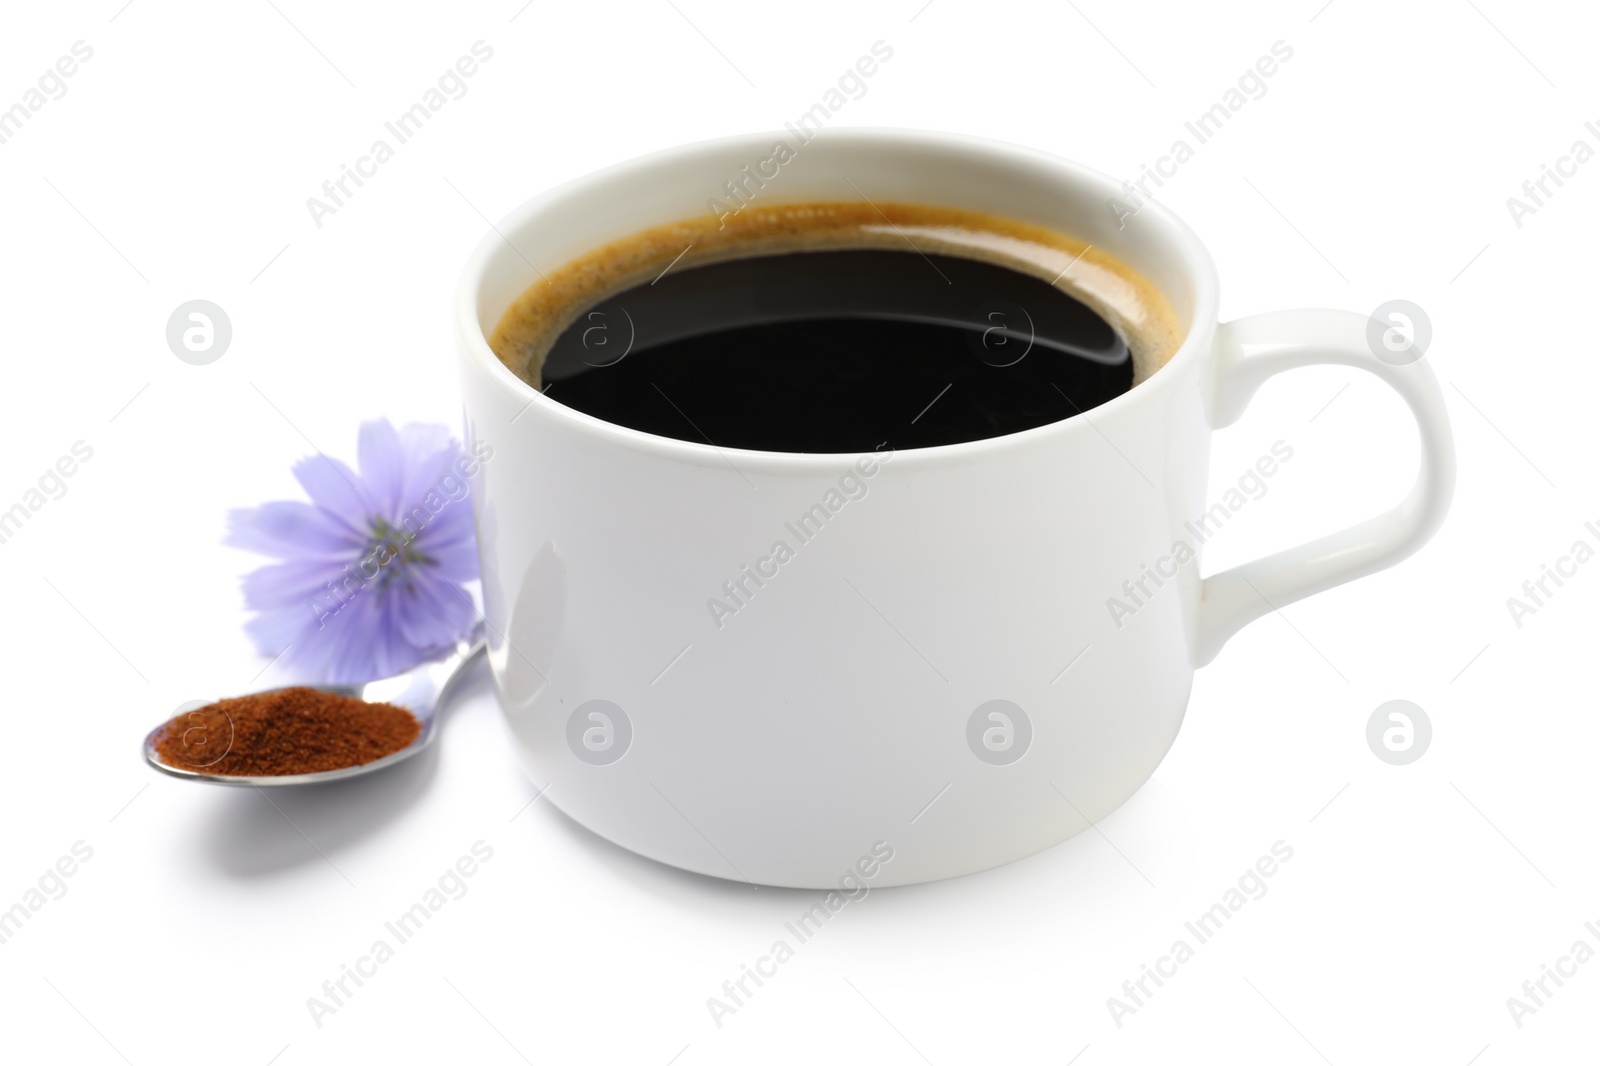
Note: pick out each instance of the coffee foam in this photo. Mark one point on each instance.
(1114, 290)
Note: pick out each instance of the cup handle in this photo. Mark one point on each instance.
(1248, 352)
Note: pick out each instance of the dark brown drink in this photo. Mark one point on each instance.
(839, 328)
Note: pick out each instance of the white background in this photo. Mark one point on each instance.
(1377, 166)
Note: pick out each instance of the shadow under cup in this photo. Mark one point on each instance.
(781, 667)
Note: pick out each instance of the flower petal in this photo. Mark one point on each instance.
(457, 565)
(451, 549)
(383, 465)
(422, 439)
(333, 487)
(335, 649)
(433, 468)
(430, 611)
(368, 643)
(298, 583)
(452, 523)
(289, 529)
(276, 630)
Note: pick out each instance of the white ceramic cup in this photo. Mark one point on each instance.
(901, 680)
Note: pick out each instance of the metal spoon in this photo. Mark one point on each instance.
(420, 690)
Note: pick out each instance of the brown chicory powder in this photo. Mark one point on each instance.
(289, 731)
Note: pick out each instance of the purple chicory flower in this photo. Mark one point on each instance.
(371, 572)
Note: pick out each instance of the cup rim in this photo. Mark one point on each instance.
(1177, 236)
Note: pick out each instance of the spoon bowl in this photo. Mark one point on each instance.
(421, 690)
